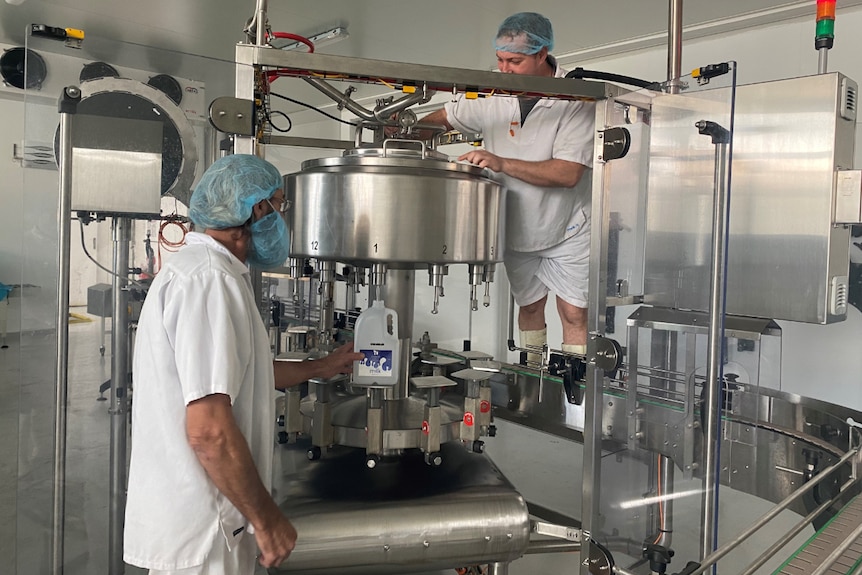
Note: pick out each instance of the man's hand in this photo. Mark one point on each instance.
(275, 542)
(484, 159)
(339, 361)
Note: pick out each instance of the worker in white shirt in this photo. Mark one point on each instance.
(542, 150)
(204, 383)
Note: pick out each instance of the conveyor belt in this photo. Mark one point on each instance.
(817, 550)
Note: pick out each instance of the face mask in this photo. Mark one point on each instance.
(270, 245)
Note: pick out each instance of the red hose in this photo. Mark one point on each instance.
(273, 75)
(295, 37)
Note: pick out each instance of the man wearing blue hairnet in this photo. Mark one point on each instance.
(202, 419)
(542, 151)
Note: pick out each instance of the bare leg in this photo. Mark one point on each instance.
(574, 323)
(532, 317)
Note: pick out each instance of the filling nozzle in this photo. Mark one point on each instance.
(488, 277)
(295, 266)
(435, 280)
(477, 274)
(378, 282)
(358, 278)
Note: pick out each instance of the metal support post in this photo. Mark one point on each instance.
(674, 45)
(400, 295)
(119, 398)
(67, 106)
(594, 392)
(712, 408)
(327, 302)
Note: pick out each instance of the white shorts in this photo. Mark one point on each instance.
(563, 269)
(221, 561)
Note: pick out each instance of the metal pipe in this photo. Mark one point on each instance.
(552, 546)
(64, 224)
(511, 338)
(383, 114)
(260, 17)
(663, 522)
(822, 60)
(498, 569)
(342, 99)
(119, 398)
(716, 556)
(674, 45)
(785, 539)
(712, 407)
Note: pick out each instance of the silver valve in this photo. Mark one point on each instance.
(435, 280)
(476, 275)
(358, 277)
(378, 275)
(326, 270)
(295, 265)
(488, 277)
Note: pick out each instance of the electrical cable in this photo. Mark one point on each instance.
(309, 106)
(276, 128)
(103, 268)
(581, 74)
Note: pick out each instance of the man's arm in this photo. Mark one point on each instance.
(438, 117)
(288, 374)
(223, 452)
(547, 173)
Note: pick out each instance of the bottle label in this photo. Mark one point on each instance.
(377, 362)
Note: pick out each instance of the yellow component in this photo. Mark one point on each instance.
(408, 89)
(471, 95)
(74, 34)
(695, 73)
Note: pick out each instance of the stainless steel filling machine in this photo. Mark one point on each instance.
(695, 238)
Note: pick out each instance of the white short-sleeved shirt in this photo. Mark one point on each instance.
(199, 334)
(536, 217)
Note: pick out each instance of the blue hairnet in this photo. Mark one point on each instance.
(230, 188)
(524, 33)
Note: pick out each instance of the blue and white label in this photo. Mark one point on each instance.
(377, 362)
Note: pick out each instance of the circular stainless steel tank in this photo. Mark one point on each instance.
(397, 206)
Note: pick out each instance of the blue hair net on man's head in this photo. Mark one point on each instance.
(524, 33)
(230, 188)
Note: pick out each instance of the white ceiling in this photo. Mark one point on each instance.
(439, 32)
(454, 33)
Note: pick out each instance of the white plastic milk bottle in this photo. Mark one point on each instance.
(376, 336)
